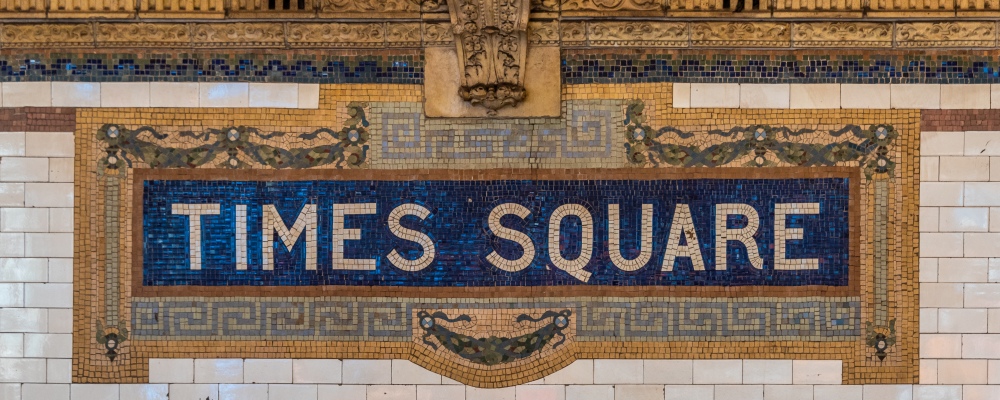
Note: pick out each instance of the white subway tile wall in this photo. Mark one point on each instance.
(959, 274)
(836, 95)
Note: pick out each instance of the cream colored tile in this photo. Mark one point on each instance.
(929, 217)
(976, 346)
(688, 392)
(985, 295)
(821, 372)
(982, 143)
(864, 96)
(174, 94)
(982, 244)
(942, 194)
(144, 391)
(888, 392)
(929, 167)
(682, 95)
(928, 372)
(24, 169)
(267, 371)
(488, 394)
(982, 193)
(27, 94)
(49, 144)
(941, 244)
(76, 94)
(274, 95)
(942, 143)
(11, 244)
(48, 295)
(963, 270)
(994, 96)
(964, 168)
(23, 320)
(11, 194)
(223, 370)
(936, 392)
(92, 391)
(546, 392)
(771, 372)
(916, 96)
(671, 372)
(638, 392)
(317, 371)
(980, 392)
(995, 169)
(48, 345)
(61, 169)
(941, 294)
(964, 219)
(61, 371)
(367, 372)
(125, 94)
(814, 96)
(928, 269)
(715, 95)
(788, 392)
(961, 96)
(764, 95)
(213, 94)
(405, 372)
(43, 194)
(340, 392)
(11, 144)
(738, 392)
(929, 320)
(994, 218)
(580, 372)
(46, 392)
(310, 392)
(197, 391)
(240, 391)
(24, 220)
(717, 372)
(993, 375)
(308, 96)
(837, 392)
(617, 371)
(940, 346)
(957, 320)
(433, 392)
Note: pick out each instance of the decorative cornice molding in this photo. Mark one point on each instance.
(540, 32)
(491, 37)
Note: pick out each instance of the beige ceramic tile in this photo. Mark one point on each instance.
(125, 94)
(918, 96)
(764, 95)
(975, 96)
(865, 96)
(814, 96)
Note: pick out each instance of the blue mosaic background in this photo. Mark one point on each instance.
(458, 225)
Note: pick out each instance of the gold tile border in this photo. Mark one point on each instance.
(860, 366)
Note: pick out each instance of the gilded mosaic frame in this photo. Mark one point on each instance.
(860, 363)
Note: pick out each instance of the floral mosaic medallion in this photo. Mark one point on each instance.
(496, 252)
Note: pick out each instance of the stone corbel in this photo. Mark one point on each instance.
(491, 37)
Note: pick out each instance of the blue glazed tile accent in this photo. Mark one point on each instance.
(459, 229)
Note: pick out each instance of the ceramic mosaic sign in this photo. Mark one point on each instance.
(496, 252)
(455, 233)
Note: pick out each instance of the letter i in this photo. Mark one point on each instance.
(241, 237)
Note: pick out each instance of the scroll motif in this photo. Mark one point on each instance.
(612, 5)
(365, 6)
(646, 33)
(47, 35)
(843, 34)
(776, 34)
(143, 35)
(339, 34)
(492, 41)
(239, 34)
(946, 34)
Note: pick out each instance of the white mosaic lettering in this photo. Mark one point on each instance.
(575, 266)
(683, 224)
(306, 221)
(340, 234)
(645, 242)
(194, 213)
(241, 237)
(528, 247)
(417, 237)
(782, 234)
(723, 234)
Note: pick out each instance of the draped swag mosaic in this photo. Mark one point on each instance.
(496, 251)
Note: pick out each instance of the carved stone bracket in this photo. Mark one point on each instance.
(491, 37)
